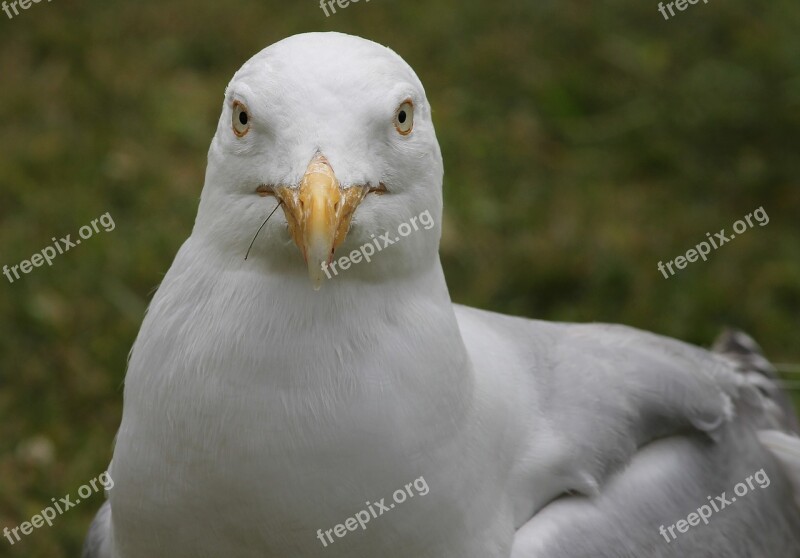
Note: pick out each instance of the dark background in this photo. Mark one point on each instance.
(583, 144)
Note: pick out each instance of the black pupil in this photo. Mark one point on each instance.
(402, 117)
(243, 118)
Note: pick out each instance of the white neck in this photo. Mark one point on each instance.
(355, 334)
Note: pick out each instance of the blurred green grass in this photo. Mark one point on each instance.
(583, 144)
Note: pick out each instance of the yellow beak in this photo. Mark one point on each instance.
(319, 214)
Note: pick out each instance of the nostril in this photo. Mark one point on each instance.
(264, 190)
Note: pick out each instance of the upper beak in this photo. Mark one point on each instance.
(319, 214)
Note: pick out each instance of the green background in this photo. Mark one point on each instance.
(583, 144)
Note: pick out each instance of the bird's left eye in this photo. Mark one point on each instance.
(404, 119)
(240, 119)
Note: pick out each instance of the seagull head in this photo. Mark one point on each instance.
(334, 133)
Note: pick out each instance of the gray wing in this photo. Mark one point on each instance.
(638, 511)
(679, 478)
(98, 539)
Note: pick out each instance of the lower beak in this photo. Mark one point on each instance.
(319, 214)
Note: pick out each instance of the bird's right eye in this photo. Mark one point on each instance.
(404, 117)
(240, 119)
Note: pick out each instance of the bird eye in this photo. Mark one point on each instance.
(240, 119)
(404, 119)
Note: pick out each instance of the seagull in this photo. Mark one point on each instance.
(269, 403)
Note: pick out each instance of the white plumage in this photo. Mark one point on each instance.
(257, 411)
